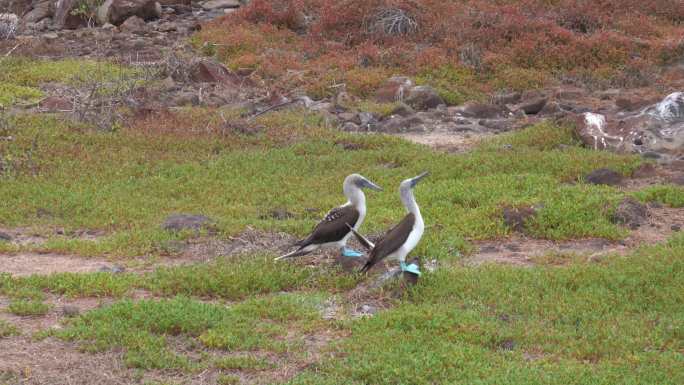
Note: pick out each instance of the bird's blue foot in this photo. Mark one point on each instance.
(350, 253)
(412, 268)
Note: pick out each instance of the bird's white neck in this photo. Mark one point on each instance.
(409, 202)
(355, 196)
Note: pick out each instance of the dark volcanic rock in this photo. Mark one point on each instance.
(630, 212)
(180, 222)
(604, 176)
(423, 98)
(516, 217)
(532, 107)
(508, 98)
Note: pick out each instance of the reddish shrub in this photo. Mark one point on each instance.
(316, 44)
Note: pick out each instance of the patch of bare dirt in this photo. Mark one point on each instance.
(248, 242)
(55, 362)
(24, 264)
(446, 141)
(24, 236)
(650, 174)
(660, 224)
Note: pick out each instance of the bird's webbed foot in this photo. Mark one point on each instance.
(411, 268)
(351, 253)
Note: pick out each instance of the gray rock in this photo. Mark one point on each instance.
(368, 309)
(70, 311)
(133, 24)
(220, 4)
(604, 176)
(516, 217)
(532, 107)
(507, 98)
(350, 127)
(167, 27)
(117, 11)
(39, 12)
(5, 237)
(481, 111)
(403, 109)
(367, 119)
(348, 117)
(180, 222)
(398, 124)
(423, 98)
(630, 212)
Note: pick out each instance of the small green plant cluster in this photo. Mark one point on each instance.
(7, 329)
(144, 328)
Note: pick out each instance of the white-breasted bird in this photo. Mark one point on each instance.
(401, 239)
(333, 231)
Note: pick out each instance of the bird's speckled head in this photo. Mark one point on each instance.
(361, 182)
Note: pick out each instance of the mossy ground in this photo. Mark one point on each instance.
(614, 320)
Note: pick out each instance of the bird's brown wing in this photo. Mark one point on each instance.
(334, 226)
(392, 241)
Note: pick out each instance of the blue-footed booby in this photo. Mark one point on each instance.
(401, 239)
(333, 231)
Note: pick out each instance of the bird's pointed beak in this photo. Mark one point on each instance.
(372, 185)
(417, 179)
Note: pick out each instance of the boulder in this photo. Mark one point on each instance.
(671, 109)
(39, 12)
(4, 237)
(516, 217)
(402, 109)
(206, 71)
(604, 176)
(133, 24)
(533, 106)
(507, 98)
(394, 89)
(630, 212)
(117, 11)
(481, 110)
(63, 10)
(220, 4)
(423, 98)
(594, 131)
